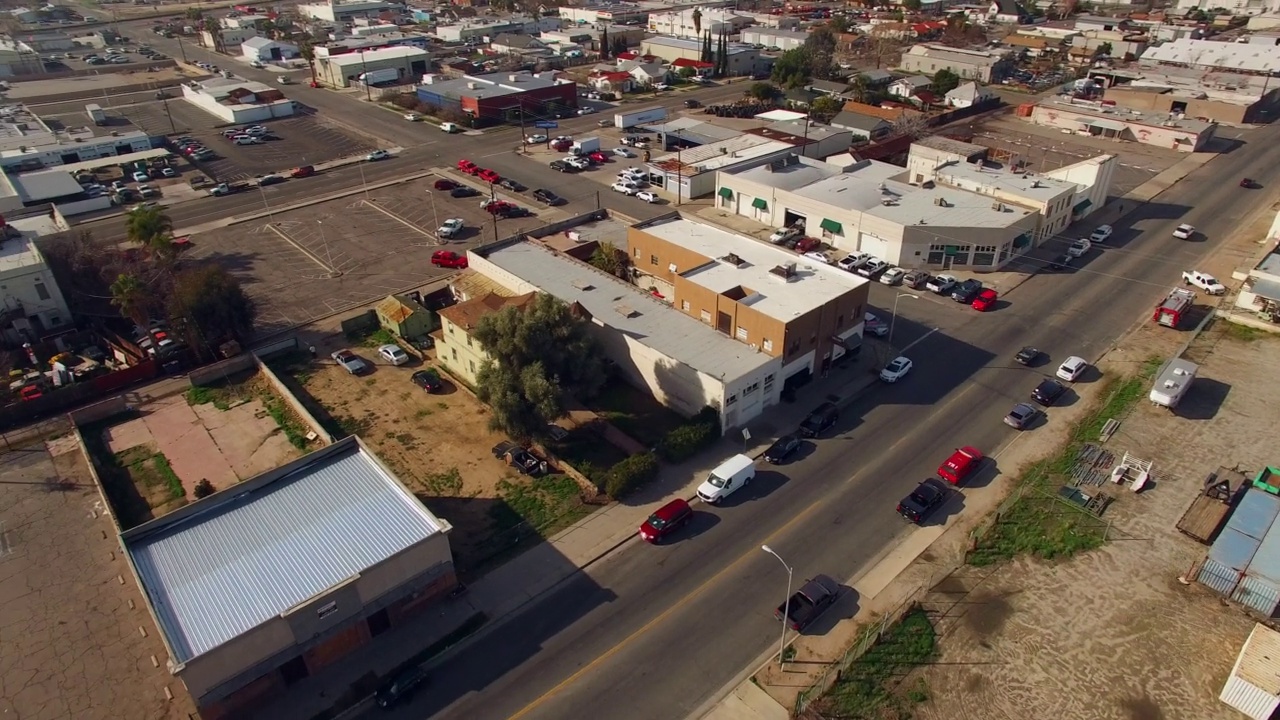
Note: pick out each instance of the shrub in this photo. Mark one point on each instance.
(693, 437)
(630, 474)
(204, 488)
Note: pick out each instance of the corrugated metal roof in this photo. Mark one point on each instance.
(1259, 662)
(1255, 514)
(1218, 577)
(211, 575)
(1248, 699)
(1266, 561)
(1233, 549)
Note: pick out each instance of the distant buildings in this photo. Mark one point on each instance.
(343, 70)
(981, 65)
(340, 12)
(237, 101)
(500, 97)
(743, 59)
(697, 22)
(31, 304)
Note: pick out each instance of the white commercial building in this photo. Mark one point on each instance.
(684, 24)
(342, 70)
(336, 12)
(476, 30)
(1215, 55)
(694, 170)
(31, 305)
(743, 59)
(608, 12)
(27, 143)
(265, 49)
(683, 363)
(233, 100)
(982, 65)
(773, 38)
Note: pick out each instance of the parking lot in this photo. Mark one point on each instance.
(1045, 149)
(311, 262)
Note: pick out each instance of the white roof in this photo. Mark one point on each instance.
(714, 156)
(781, 116)
(392, 53)
(1259, 661)
(1208, 53)
(18, 253)
(817, 285)
(973, 178)
(790, 173)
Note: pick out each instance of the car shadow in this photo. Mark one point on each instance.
(761, 486)
(699, 523)
(950, 509)
(846, 606)
(986, 473)
(1203, 400)
(1067, 399)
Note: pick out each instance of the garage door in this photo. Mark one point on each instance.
(879, 247)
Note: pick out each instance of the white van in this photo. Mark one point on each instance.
(451, 127)
(728, 477)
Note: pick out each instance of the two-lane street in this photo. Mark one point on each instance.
(655, 632)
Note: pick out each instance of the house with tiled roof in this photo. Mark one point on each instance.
(614, 81)
(699, 67)
(456, 348)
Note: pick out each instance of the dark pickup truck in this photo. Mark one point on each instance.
(810, 601)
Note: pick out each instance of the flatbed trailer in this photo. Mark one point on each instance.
(1206, 514)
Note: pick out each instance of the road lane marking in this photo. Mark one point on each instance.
(803, 515)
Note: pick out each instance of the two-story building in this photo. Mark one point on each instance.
(31, 304)
(456, 348)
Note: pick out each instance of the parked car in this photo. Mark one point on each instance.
(1021, 416)
(351, 362)
(782, 235)
(511, 185)
(960, 465)
(873, 325)
(927, 497)
(966, 291)
(782, 448)
(393, 354)
(444, 185)
(818, 256)
(1047, 392)
(941, 284)
(598, 157)
(141, 176)
(666, 520)
(488, 175)
(1029, 356)
(1072, 368)
(893, 276)
(851, 261)
(449, 259)
(806, 244)
(1079, 248)
(873, 267)
(623, 152)
(1101, 234)
(916, 279)
(561, 166)
(819, 420)
(895, 370)
(986, 300)
(450, 228)
(1204, 281)
(624, 188)
(428, 380)
(647, 196)
(810, 601)
(547, 197)
(401, 687)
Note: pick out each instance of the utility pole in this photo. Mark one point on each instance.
(522, 143)
(172, 128)
(182, 49)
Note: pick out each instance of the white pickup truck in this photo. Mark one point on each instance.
(1204, 281)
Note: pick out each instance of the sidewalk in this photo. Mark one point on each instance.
(510, 587)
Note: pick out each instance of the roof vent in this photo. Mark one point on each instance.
(940, 202)
(786, 271)
(997, 206)
(583, 285)
(1035, 183)
(734, 260)
(625, 311)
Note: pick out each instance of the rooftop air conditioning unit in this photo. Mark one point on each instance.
(940, 202)
(997, 206)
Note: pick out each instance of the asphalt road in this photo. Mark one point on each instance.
(654, 632)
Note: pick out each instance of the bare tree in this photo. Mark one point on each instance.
(911, 124)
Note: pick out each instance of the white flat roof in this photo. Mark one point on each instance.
(714, 156)
(1211, 53)
(817, 285)
(19, 252)
(392, 53)
(790, 173)
(973, 178)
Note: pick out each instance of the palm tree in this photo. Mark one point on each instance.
(130, 295)
(697, 21)
(152, 229)
(211, 27)
(858, 88)
(308, 53)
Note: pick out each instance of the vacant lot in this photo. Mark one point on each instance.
(1114, 633)
(440, 447)
(71, 646)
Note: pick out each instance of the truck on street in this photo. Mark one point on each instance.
(377, 77)
(631, 118)
(585, 146)
(96, 114)
(228, 188)
(811, 600)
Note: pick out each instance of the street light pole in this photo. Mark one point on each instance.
(786, 603)
(434, 214)
(894, 318)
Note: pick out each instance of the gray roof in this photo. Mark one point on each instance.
(829, 86)
(690, 44)
(1249, 523)
(649, 321)
(489, 85)
(790, 173)
(45, 185)
(951, 145)
(223, 565)
(517, 41)
(857, 121)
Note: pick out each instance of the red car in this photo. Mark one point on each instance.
(499, 207)
(598, 157)
(960, 465)
(488, 175)
(445, 185)
(807, 243)
(302, 171)
(448, 259)
(666, 520)
(468, 167)
(986, 300)
(561, 145)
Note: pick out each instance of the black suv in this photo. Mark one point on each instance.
(463, 191)
(966, 291)
(547, 197)
(401, 687)
(822, 417)
(928, 496)
(1048, 392)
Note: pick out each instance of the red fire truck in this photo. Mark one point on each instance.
(1171, 311)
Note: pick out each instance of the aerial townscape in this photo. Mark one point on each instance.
(640, 360)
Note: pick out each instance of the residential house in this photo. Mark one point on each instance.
(31, 304)
(646, 74)
(969, 94)
(908, 86)
(699, 67)
(837, 89)
(862, 126)
(405, 317)
(456, 347)
(982, 65)
(265, 49)
(513, 44)
(614, 81)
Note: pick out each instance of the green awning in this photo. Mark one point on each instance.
(953, 250)
(832, 227)
(759, 204)
(1022, 241)
(1083, 205)
(726, 193)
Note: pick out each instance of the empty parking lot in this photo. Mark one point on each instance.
(307, 263)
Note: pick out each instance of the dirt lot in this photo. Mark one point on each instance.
(71, 644)
(439, 446)
(1114, 633)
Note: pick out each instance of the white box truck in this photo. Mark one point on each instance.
(377, 77)
(631, 118)
(586, 145)
(96, 114)
(1173, 382)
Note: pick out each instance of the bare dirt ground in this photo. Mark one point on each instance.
(1114, 633)
(439, 446)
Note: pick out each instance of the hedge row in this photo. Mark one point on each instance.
(691, 438)
(630, 474)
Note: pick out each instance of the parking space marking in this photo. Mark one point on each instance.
(328, 268)
(373, 205)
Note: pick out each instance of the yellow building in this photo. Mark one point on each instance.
(456, 349)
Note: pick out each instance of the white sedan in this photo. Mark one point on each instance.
(819, 255)
(535, 139)
(1184, 232)
(393, 354)
(624, 189)
(895, 370)
(623, 152)
(647, 197)
(1072, 368)
(892, 276)
(377, 155)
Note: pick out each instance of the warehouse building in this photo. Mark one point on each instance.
(1087, 117)
(981, 65)
(262, 584)
(340, 71)
(501, 97)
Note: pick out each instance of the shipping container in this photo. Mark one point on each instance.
(632, 118)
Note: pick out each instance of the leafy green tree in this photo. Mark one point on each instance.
(687, 72)
(944, 81)
(706, 48)
(209, 306)
(859, 88)
(607, 258)
(131, 296)
(1104, 49)
(825, 107)
(792, 69)
(763, 91)
(539, 356)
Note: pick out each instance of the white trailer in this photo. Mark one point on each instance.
(631, 118)
(586, 145)
(1173, 382)
(96, 114)
(376, 77)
